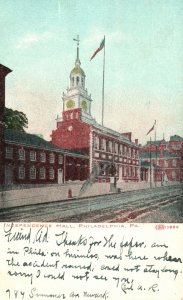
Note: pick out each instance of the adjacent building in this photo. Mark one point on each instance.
(166, 158)
(30, 159)
(4, 71)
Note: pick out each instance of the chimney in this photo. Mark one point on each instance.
(3, 72)
(128, 135)
(136, 141)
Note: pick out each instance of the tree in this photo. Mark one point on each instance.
(15, 120)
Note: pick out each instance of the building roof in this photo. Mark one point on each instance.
(78, 70)
(105, 130)
(176, 138)
(33, 140)
(147, 164)
(156, 143)
(154, 154)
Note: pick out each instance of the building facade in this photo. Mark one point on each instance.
(111, 153)
(30, 159)
(167, 156)
(4, 71)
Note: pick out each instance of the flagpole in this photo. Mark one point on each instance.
(156, 155)
(150, 166)
(103, 84)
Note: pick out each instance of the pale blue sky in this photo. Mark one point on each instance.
(144, 60)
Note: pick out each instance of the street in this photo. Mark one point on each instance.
(163, 204)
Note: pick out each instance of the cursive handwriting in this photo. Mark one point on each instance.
(54, 263)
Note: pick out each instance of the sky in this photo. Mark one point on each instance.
(143, 61)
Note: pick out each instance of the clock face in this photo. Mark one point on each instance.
(84, 105)
(70, 103)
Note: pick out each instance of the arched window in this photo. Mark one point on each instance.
(42, 173)
(77, 80)
(51, 173)
(51, 158)
(72, 81)
(32, 173)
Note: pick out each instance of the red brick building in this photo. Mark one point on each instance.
(4, 71)
(111, 152)
(166, 155)
(30, 159)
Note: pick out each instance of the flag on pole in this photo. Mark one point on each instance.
(102, 44)
(152, 128)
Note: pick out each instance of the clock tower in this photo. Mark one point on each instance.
(73, 129)
(76, 96)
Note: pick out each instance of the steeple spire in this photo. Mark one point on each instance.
(77, 63)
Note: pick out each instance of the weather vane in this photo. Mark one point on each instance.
(77, 40)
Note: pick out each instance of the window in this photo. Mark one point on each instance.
(102, 169)
(51, 173)
(52, 158)
(115, 147)
(166, 163)
(109, 146)
(72, 81)
(32, 155)
(42, 157)
(103, 144)
(77, 80)
(42, 173)
(173, 174)
(125, 170)
(133, 171)
(60, 158)
(32, 173)
(96, 142)
(176, 147)
(21, 172)
(120, 149)
(174, 163)
(9, 152)
(21, 154)
(124, 150)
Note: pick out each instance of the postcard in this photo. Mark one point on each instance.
(91, 149)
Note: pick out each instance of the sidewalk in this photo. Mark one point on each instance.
(19, 197)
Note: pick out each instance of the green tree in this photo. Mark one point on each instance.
(15, 120)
